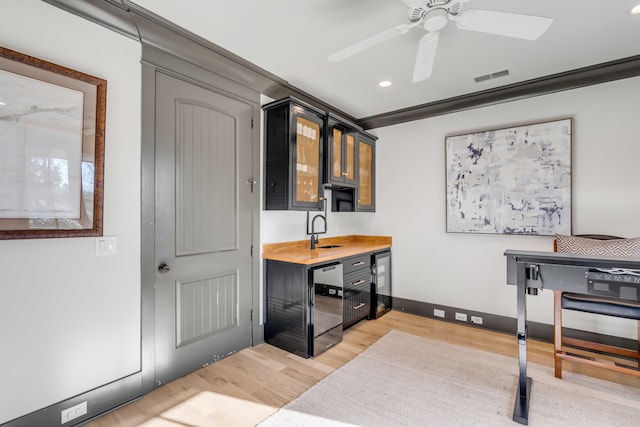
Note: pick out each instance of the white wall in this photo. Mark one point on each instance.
(70, 320)
(468, 270)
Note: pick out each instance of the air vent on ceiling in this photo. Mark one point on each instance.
(490, 76)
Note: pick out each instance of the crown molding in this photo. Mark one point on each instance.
(135, 22)
(574, 79)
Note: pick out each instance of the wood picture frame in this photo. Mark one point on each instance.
(514, 180)
(52, 140)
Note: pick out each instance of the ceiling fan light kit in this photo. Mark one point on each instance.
(433, 15)
(435, 19)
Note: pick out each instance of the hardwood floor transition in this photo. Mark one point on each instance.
(245, 388)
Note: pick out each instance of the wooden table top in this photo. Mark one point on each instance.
(299, 251)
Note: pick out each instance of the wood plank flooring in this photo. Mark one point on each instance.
(247, 387)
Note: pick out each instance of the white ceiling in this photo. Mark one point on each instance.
(292, 39)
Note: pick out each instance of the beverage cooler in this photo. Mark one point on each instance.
(381, 300)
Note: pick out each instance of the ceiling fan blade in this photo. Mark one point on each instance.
(526, 27)
(369, 42)
(426, 56)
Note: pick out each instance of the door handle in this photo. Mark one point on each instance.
(164, 268)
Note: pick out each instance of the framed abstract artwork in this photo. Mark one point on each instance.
(52, 123)
(514, 180)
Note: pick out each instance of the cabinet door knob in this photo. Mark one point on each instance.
(164, 268)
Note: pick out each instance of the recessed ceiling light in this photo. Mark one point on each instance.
(384, 83)
(636, 10)
(2, 103)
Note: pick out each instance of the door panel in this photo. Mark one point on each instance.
(203, 226)
(206, 180)
(206, 307)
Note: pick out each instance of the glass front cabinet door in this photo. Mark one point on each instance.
(365, 191)
(341, 152)
(294, 135)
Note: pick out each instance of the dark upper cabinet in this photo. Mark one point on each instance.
(340, 152)
(366, 165)
(294, 139)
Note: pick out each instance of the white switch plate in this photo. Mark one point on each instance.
(74, 412)
(106, 245)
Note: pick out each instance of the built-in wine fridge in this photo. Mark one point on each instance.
(381, 300)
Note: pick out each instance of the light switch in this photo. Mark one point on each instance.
(105, 245)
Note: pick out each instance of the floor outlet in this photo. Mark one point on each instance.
(461, 317)
(476, 319)
(438, 313)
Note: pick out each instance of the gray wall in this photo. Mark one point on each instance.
(70, 320)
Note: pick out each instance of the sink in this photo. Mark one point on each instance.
(329, 246)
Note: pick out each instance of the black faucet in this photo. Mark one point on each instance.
(314, 238)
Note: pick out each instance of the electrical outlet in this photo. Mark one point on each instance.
(438, 312)
(461, 317)
(476, 319)
(74, 412)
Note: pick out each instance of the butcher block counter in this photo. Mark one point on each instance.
(299, 252)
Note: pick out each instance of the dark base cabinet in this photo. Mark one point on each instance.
(287, 307)
(357, 288)
(308, 306)
(304, 306)
(357, 303)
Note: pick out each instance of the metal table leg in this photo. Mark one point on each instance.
(521, 407)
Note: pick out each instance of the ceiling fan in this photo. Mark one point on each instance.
(433, 15)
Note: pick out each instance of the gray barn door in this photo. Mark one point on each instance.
(203, 231)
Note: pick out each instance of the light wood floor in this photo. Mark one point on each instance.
(247, 387)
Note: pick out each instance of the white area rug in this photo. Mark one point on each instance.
(405, 380)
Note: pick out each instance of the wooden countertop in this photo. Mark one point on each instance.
(299, 251)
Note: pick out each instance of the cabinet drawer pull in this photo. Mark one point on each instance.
(359, 306)
(357, 263)
(359, 282)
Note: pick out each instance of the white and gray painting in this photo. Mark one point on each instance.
(510, 181)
